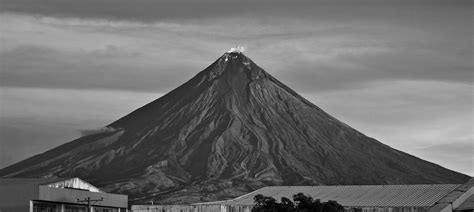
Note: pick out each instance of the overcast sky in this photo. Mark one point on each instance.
(399, 71)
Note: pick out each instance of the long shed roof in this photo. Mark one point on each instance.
(358, 195)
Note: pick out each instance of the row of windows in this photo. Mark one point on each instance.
(51, 207)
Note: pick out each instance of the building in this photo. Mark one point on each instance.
(56, 195)
(357, 198)
(460, 199)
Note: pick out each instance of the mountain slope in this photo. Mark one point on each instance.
(229, 130)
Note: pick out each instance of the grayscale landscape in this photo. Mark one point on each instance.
(145, 98)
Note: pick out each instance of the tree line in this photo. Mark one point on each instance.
(300, 203)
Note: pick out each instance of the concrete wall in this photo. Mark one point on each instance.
(388, 209)
(16, 198)
(190, 208)
(248, 208)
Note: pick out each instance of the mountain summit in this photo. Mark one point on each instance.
(229, 130)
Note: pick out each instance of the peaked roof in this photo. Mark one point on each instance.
(70, 183)
(358, 195)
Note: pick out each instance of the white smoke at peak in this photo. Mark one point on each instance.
(97, 131)
(237, 49)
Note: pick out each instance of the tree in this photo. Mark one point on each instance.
(301, 203)
(286, 205)
(332, 206)
(264, 203)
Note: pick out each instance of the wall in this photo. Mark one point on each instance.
(248, 208)
(388, 209)
(71, 196)
(190, 208)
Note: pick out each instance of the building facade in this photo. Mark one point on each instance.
(57, 195)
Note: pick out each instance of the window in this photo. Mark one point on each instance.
(44, 207)
(76, 208)
(104, 209)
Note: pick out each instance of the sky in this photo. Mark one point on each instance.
(398, 71)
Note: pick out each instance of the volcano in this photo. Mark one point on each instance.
(229, 130)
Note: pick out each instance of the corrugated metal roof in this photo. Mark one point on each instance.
(358, 195)
(75, 183)
(460, 198)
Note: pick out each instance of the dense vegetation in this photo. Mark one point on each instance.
(300, 203)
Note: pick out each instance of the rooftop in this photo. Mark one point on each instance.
(54, 182)
(357, 195)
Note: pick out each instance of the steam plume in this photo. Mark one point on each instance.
(237, 49)
(97, 131)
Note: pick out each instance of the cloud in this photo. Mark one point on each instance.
(403, 111)
(457, 155)
(153, 10)
(25, 137)
(34, 120)
(98, 131)
(429, 119)
(34, 66)
(143, 10)
(158, 56)
(398, 71)
(463, 148)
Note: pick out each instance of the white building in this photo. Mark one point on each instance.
(57, 195)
